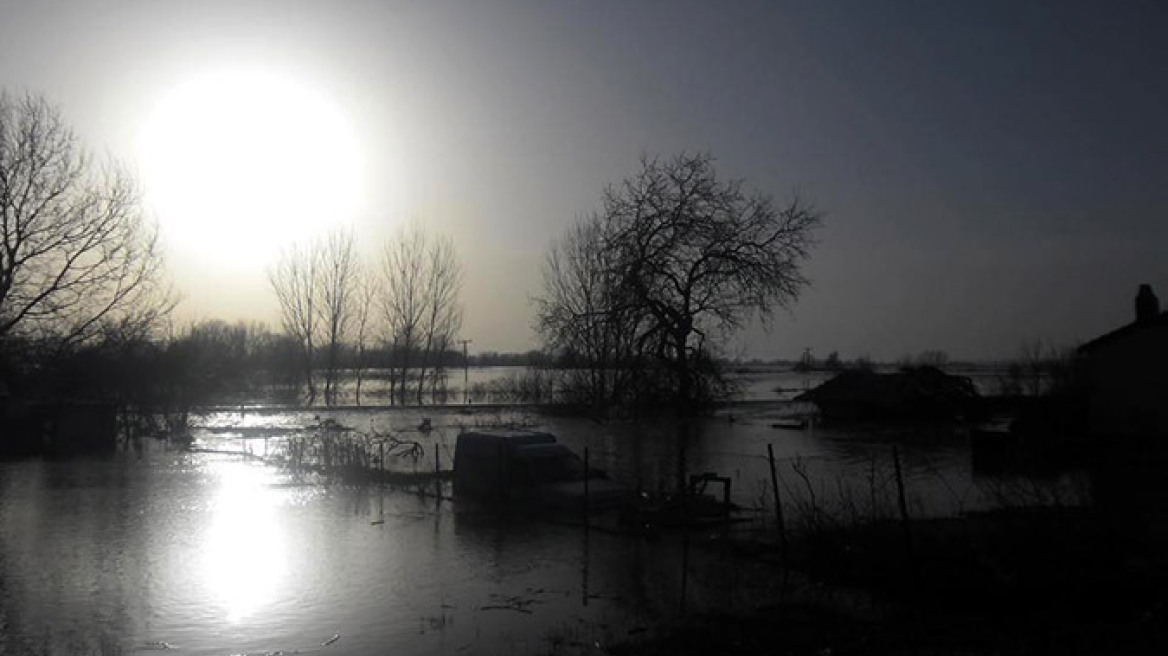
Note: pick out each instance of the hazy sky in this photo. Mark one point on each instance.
(991, 172)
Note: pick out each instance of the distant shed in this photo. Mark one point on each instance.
(57, 429)
(919, 393)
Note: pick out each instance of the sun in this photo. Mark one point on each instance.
(237, 164)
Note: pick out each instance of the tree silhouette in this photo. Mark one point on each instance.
(338, 287)
(78, 259)
(316, 285)
(419, 287)
(294, 279)
(676, 261)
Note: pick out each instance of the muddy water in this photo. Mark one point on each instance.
(204, 553)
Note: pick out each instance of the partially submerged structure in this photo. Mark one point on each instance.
(530, 467)
(56, 429)
(1126, 373)
(917, 393)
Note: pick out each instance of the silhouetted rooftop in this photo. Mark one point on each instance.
(918, 391)
(1132, 328)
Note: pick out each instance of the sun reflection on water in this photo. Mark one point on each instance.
(244, 562)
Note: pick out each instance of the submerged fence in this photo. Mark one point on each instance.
(779, 490)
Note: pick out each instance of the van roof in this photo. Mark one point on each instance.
(508, 435)
(544, 451)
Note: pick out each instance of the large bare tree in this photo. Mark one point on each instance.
(580, 317)
(365, 323)
(443, 316)
(294, 279)
(317, 284)
(402, 275)
(420, 283)
(682, 259)
(337, 288)
(78, 258)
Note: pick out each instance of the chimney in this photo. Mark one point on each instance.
(1147, 305)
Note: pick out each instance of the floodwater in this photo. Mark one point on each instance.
(212, 553)
(757, 383)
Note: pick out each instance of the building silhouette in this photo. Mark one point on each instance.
(1126, 373)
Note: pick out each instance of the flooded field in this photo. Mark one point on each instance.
(217, 553)
(499, 384)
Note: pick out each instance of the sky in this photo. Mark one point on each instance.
(990, 173)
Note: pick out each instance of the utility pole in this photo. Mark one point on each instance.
(465, 373)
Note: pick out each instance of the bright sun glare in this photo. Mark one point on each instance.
(243, 551)
(238, 164)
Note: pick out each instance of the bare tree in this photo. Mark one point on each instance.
(294, 279)
(443, 315)
(581, 318)
(688, 259)
(366, 323)
(419, 300)
(932, 358)
(403, 275)
(77, 257)
(336, 285)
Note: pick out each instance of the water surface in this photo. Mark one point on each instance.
(210, 553)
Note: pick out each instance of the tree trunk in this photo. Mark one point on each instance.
(308, 379)
(360, 366)
(684, 378)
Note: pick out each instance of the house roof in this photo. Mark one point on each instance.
(1160, 320)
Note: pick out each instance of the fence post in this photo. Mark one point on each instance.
(502, 488)
(587, 492)
(902, 503)
(778, 504)
(584, 565)
(437, 472)
(683, 494)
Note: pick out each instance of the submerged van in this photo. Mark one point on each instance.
(528, 466)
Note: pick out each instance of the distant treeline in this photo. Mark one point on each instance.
(212, 362)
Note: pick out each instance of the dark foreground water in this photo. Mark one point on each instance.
(201, 553)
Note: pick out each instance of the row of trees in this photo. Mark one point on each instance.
(82, 279)
(637, 299)
(407, 303)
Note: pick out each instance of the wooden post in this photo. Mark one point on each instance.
(778, 504)
(585, 509)
(584, 564)
(902, 503)
(683, 494)
(586, 490)
(502, 487)
(437, 473)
